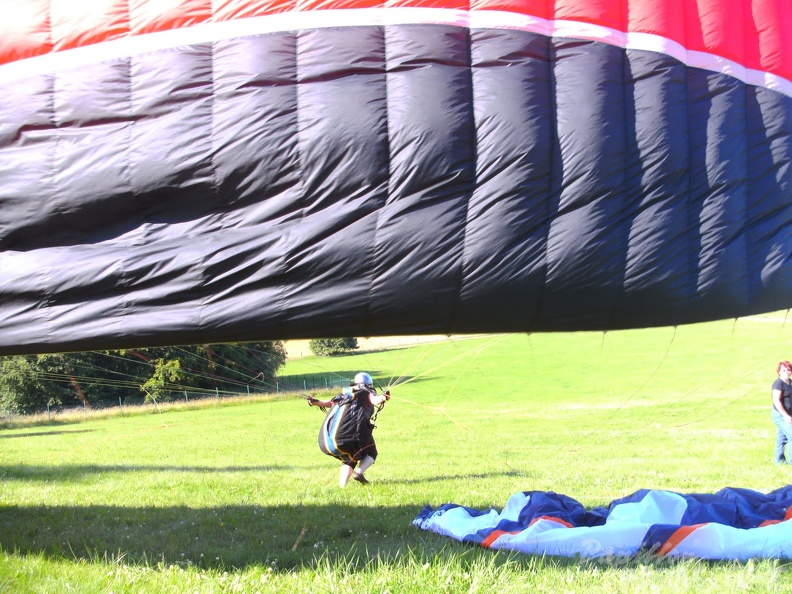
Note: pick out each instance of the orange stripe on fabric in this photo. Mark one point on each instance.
(495, 535)
(552, 519)
(678, 536)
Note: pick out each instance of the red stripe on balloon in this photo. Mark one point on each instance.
(751, 34)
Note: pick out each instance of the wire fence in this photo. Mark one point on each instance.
(282, 384)
(311, 381)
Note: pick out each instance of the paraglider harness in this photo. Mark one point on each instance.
(346, 397)
(340, 425)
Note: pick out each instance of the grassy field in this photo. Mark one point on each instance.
(236, 497)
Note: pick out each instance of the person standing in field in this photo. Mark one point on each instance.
(347, 431)
(782, 410)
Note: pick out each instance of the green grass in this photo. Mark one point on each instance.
(239, 498)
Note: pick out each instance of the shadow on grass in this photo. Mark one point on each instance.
(43, 433)
(446, 477)
(219, 537)
(67, 473)
(282, 537)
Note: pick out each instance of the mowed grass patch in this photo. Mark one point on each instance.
(239, 498)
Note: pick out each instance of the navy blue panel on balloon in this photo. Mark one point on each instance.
(383, 180)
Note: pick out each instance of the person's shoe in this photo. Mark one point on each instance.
(360, 478)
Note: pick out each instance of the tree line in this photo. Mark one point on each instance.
(30, 383)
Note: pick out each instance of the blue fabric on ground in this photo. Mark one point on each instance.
(732, 524)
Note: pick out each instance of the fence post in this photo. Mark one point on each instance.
(248, 389)
(185, 396)
(217, 393)
(277, 388)
(121, 406)
(48, 412)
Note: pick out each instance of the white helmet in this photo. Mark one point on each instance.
(364, 379)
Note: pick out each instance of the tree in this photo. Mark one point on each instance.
(31, 382)
(223, 367)
(332, 346)
(158, 386)
(21, 390)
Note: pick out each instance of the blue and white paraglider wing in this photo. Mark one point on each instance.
(733, 524)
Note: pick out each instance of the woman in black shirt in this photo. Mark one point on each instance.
(782, 410)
